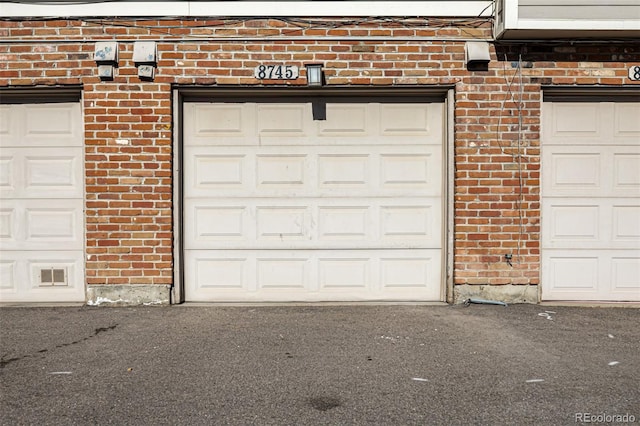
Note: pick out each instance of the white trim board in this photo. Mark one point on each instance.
(469, 8)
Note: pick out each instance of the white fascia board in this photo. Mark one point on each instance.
(104, 9)
(470, 8)
(574, 24)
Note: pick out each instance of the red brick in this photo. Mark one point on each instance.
(136, 179)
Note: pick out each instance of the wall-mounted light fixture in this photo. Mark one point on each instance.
(106, 56)
(144, 56)
(315, 76)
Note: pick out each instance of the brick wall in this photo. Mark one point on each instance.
(128, 123)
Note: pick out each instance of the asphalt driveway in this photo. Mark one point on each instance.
(317, 365)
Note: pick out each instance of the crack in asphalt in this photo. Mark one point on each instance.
(6, 361)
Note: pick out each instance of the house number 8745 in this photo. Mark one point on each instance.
(276, 72)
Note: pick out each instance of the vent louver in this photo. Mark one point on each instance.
(53, 277)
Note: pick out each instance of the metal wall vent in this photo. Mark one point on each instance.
(53, 276)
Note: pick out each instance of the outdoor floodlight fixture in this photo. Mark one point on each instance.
(315, 77)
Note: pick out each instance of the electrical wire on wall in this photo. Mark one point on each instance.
(517, 157)
(298, 25)
(520, 154)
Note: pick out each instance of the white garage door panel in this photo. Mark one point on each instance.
(279, 207)
(292, 124)
(626, 123)
(42, 125)
(608, 275)
(41, 224)
(313, 275)
(21, 279)
(40, 173)
(587, 171)
(591, 223)
(313, 223)
(41, 215)
(313, 171)
(591, 201)
(599, 123)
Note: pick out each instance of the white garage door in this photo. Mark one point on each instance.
(279, 207)
(591, 201)
(41, 214)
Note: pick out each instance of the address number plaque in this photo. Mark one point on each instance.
(276, 72)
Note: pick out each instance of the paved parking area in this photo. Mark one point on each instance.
(342, 365)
